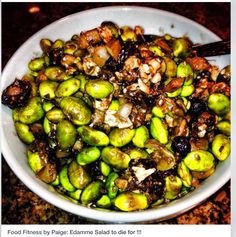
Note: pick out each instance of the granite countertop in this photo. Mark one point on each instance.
(19, 22)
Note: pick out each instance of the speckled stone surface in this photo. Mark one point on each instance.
(19, 22)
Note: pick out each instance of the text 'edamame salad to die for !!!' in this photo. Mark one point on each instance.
(114, 121)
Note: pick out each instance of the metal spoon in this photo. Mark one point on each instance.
(217, 48)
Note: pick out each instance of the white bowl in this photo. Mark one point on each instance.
(153, 21)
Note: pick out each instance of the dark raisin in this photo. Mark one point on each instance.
(55, 56)
(150, 100)
(197, 106)
(153, 186)
(128, 49)
(204, 74)
(17, 94)
(112, 65)
(95, 170)
(181, 145)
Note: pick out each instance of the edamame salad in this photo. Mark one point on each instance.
(115, 120)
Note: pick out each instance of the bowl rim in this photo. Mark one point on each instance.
(156, 214)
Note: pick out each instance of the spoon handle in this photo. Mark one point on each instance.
(213, 49)
(203, 50)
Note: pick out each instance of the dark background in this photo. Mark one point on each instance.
(22, 20)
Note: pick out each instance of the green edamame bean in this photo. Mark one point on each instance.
(224, 127)
(31, 113)
(58, 43)
(158, 130)
(104, 202)
(105, 168)
(47, 60)
(187, 90)
(110, 185)
(70, 47)
(221, 147)
(120, 137)
(35, 161)
(174, 93)
(184, 174)
(181, 47)
(55, 115)
(129, 201)
(128, 34)
(56, 182)
(98, 89)
(15, 115)
(55, 73)
(184, 70)
(45, 45)
(163, 67)
(24, 133)
(186, 102)
(137, 153)
(47, 105)
(199, 160)
(158, 202)
(92, 136)
(47, 89)
(68, 87)
(141, 136)
(88, 155)
(47, 126)
(157, 111)
(92, 192)
(115, 105)
(78, 175)
(48, 173)
(171, 67)
(163, 157)
(83, 81)
(65, 134)
(115, 157)
(173, 186)
(76, 110)
(156, 50)
(36, 64)
(219, 103)
(75, 194)
(64, 179)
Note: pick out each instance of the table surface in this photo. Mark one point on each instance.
(19, 22)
